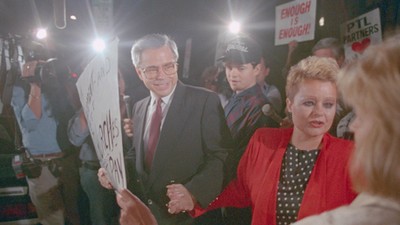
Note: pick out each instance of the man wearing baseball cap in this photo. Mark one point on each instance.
(243, 112)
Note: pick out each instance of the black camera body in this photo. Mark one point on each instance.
(36, 51)
(43, 71)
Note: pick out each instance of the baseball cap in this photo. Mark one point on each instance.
(242, 50)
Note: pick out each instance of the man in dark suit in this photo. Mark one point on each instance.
(191, 139)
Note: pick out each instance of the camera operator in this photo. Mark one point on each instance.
(42, 109)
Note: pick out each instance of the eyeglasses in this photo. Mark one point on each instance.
(151, 72)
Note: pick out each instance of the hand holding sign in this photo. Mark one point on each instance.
(103, 179)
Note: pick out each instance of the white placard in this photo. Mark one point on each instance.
(295, 21)
(361, 32)
(99, 95)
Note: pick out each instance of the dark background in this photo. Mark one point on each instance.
(200, 20)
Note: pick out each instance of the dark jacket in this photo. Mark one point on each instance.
(193, 144)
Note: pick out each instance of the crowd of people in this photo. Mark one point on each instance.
(289, 174)
(212, 154)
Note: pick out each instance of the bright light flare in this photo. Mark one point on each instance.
(234, 27)
(41, 33)
(99, 45)
(73, 17)
(321, 21)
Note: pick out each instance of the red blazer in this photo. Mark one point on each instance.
(259, 171)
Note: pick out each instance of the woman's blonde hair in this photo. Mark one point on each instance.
(372, 83)
(311, 68)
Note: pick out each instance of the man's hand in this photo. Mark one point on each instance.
(128, 127)
(133, 211)
(104, 181)
(181, 200)
(292, 46)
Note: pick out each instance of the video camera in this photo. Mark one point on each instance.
(45, 68)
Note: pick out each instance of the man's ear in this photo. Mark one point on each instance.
(257, 69)
(139, 73)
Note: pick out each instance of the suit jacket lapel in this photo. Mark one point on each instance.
(139, 125)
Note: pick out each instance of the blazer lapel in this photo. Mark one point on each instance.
(317, 183)
(139, 125)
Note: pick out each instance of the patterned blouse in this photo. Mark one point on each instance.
(295, 171)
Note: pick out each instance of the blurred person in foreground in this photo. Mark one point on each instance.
(193, 138)
(372, 85)
(288, 174)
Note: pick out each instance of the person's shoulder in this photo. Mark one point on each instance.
(339, 146)
(196, 89)
(267, 140)
(274, 89)
(262, 100)
(191, 91)
(272, 135)
(335, 141)
(256, 96)
(354, 214)
(141, 103)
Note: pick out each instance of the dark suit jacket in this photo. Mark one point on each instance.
(193, 144)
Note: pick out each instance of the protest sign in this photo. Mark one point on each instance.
(361, 32)
(99, 95)
(295, 21)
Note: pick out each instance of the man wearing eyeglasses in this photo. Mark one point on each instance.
(180, 137)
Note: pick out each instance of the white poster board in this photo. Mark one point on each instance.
(99, 95)
(295, 21)
(361, 32)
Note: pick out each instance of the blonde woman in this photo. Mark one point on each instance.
(372, 86)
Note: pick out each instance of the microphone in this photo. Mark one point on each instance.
(270, 112)
(127, 100)
(59, 14)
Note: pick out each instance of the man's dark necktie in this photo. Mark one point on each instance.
(154, 134)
